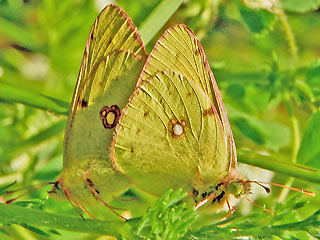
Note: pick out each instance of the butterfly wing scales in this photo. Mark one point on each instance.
(156, 159)
(113, 58)
(179, 50)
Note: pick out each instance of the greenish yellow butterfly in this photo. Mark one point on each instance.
(174, 132)
(113, 58)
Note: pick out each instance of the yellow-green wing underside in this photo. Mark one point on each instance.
(113, 58)
(180, 51)
(146, 147)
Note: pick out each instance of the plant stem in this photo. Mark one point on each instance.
(287, 100)
(270, 163)
(290, 35)
(157, 19)
(295, 141)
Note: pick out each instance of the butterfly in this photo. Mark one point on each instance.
(174, 132)
(112, 61)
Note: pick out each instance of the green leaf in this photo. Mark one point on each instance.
(38, 138)
(309, 152)
(300, 6)
(272, 135)
(14, 94)
(249, 130)
(259, 224)
(11, 214)
(257, 20)
(167, 218)
(313, 74)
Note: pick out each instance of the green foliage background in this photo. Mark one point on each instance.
(265, 58)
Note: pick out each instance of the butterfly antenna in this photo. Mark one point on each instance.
(97, 195)
(204, 201)
(34, 188)
(258, 205)
(259, 183)
(72, 200)
(308, 193)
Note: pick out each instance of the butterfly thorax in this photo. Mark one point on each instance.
(219, 193)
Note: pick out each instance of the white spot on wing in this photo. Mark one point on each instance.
(177, 129)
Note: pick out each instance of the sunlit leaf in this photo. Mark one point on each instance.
(309, 152)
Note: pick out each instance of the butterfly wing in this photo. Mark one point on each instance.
(113, 58)
(180, 51)
(162, 138)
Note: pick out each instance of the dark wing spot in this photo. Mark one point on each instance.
(188, 94)
(138, 131)
(208, 111)
(131, 150)
(197, 52)
(146, 114)
(83, 103)
(90, 182)
(105, 111)
(91, 36)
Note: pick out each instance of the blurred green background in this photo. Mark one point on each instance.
(264, 55)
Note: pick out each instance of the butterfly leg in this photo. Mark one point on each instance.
(254, 203)
(72, 200)
(97, 195)
(231, 211)
(204, 201)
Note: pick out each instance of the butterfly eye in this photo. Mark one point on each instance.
(110, 116)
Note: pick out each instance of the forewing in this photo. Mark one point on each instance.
(113, 58)
(149, 149)
(180, 51)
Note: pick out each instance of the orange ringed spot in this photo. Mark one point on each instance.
(177, 128)
(110, 116)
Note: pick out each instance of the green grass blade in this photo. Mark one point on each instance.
(40, 137)
(156, 20)
(293, 170)
(37, 218)
(12, 94)
(18, 34)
